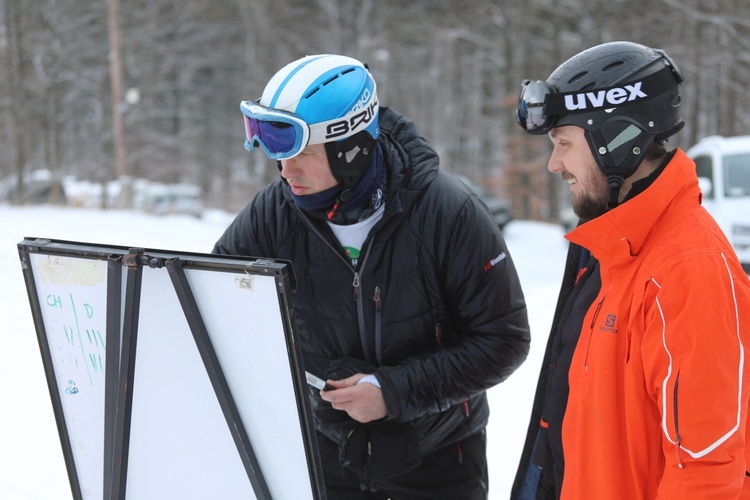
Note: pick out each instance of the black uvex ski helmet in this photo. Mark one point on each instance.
(624, 95)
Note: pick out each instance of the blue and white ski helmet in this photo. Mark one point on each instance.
(323, 88)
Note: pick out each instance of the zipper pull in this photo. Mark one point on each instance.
(376, 299)
(679, 458)
(596, 313)
(591, 333)
(355, 284)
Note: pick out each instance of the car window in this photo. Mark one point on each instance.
(737, 175)
(704, 168)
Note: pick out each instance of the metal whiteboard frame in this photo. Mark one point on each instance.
(124, 280)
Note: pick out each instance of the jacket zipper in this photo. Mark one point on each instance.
(355, 285)
(678, 439)
(360, 307)
(591, 333)
(335, 250)
(378, 326)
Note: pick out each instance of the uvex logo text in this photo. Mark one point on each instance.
(604, 98)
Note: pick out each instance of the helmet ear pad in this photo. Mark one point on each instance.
(618, 146)
(349, 158)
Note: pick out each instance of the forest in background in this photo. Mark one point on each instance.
(453, 66)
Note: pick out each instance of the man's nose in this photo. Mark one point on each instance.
(554, 165)
(289, 168)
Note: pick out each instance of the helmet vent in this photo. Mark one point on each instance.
(578, 76)
(334, 77)
(612, 66)
(348, 70)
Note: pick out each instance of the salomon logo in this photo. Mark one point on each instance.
(604, 98)
(609, 324)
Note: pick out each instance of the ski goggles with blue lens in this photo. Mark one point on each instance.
(280, 134)
(283, 135)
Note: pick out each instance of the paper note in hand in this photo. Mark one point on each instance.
(317, 382)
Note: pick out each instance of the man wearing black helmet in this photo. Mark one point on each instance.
(407, 299)
(644, 386)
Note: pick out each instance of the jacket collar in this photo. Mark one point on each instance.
(618, 236)
(410, 161)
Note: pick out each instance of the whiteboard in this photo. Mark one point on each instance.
(251, 344)
(198, 385)
(72, 295)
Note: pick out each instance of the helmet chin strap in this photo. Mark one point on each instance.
(615, 183)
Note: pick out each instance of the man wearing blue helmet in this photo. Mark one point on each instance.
(407, 302)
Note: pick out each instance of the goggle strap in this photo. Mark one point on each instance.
(345, 126)
(654, 85)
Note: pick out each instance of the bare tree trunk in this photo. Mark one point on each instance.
(14, 65)
(115, 76)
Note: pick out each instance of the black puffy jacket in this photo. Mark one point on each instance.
(435, 304)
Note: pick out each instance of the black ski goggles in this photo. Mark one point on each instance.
(530, 112)
(541, 105)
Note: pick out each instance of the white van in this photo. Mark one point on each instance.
(723, 166)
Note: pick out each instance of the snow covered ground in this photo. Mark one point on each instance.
(31, 462)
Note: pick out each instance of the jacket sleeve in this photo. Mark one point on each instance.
(488, 335)
(698, 331)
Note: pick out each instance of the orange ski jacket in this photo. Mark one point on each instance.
(660, 379)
